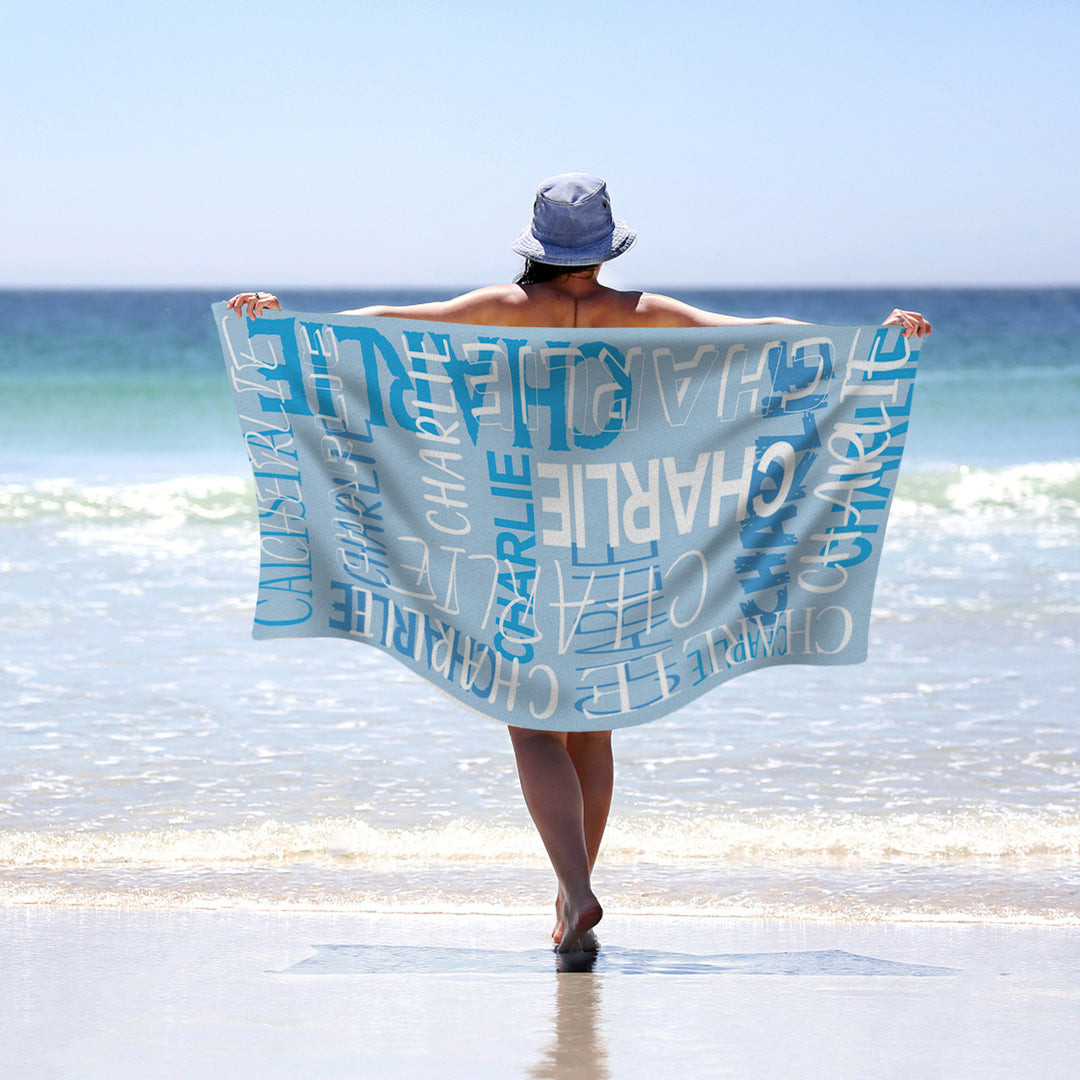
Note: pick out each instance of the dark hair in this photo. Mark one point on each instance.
(537, 272)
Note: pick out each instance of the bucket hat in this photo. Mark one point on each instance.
(572, 224)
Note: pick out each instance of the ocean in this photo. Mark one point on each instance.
(152, 755)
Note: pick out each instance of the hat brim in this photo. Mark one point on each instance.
(620, 240)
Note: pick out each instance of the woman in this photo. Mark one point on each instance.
(566, 778)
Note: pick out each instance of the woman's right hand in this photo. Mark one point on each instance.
(911, 322)
(255, 302)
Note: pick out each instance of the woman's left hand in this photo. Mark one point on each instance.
(255, 303)
(912, 322)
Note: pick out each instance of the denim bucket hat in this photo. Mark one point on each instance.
(572, 224)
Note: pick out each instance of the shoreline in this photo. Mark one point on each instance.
(1065, 921)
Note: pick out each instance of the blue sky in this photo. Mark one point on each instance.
(356, 143)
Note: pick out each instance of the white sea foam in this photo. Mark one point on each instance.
(1036, 491)
(775, 837)
(173, 502)
(420, 876)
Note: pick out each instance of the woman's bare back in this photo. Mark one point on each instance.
(572, 300)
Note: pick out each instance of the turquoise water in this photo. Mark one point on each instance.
(151, 754)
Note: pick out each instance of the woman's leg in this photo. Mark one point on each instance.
(566, 781)
(590, 751)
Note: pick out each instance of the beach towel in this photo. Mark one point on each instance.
(571, 529)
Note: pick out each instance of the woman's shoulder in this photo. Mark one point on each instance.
(655, 309)
(615, 307)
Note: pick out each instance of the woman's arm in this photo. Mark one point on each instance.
(657, 310)
(490, 306)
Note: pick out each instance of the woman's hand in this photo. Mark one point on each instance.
(912, 322)
(255, 302)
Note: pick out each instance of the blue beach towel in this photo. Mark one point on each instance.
(571, 529)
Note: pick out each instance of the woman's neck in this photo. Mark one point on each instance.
(578, 285)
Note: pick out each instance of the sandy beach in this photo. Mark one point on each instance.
(93, 993)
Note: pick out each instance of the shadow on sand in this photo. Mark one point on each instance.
(611, 960)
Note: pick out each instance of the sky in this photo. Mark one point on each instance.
(356, 143)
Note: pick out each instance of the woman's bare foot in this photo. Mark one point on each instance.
(557, 932)
(577, 925)
(589, 941)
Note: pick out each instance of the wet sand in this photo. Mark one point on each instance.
(233, 993)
